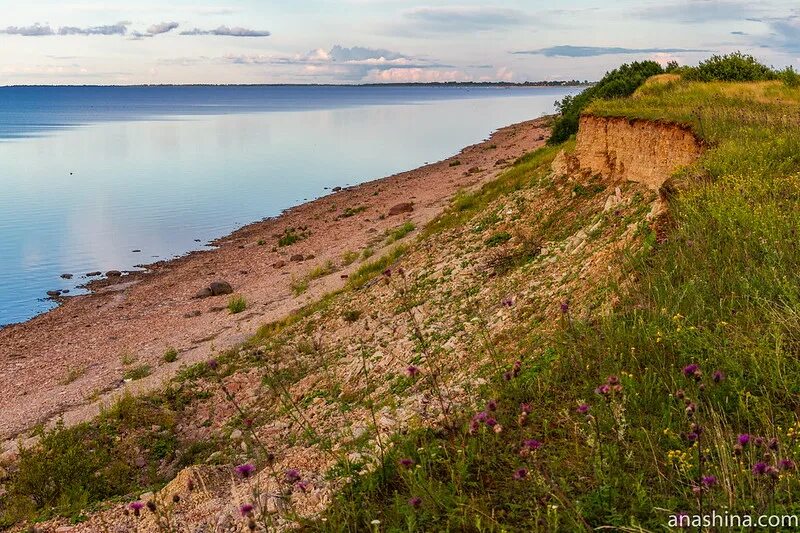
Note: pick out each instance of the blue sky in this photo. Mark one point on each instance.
(355, 41)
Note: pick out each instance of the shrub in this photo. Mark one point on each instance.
(237, 304)
(497, 239)
(730, 67)
(351, 315)
(139, 372)
(618, 83)
(399, 232)
(790, 77)
(171, 355)
(291, 236)
(349, 258)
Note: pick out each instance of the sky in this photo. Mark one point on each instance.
(368, 41)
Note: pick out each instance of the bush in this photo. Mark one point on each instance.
(237, 304)
(790, 77)
(731, 67)
(618, 83)
(171, 355)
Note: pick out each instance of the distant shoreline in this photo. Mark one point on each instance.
(499, 84)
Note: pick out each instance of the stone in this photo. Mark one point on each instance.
(54, 294)
(192, 314)
(220, 287)
(405, 207)
(93, 274)
(236, 434)
(337, 189)
(203, 293)
(66, 276)
(279, 264)
(296, 258)
(113, 274)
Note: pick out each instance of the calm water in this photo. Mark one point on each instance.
(88, 175)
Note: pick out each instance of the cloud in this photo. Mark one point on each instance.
(229, 32)
(700, 11)
(784, 34)
(37, 30)
(594, 51)
(120, 28)
(415, 75)
(465, 18)
(163, 27)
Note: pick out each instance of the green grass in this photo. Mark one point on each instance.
(722, 292)
(291, 236)
(236, 304)
(137, 373)
(367, 271)
(322, 270)
(170, 356)
(299, 286)
(349, 257)
(399, 232)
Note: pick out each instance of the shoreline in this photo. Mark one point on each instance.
(69, 361)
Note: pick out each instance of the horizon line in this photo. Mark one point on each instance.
(558, 83)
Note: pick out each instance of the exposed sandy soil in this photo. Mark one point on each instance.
(71, 361)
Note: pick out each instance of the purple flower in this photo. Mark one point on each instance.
(406, 462)
(603, 389)
(302, 486)
(412, 371)
(415, 502)
(520, 473)
(246, 509)
(136, 507)
(491, 422)
(564, 307)
(212, 364)
(292, 475)
(481, 417)
(786, 464)
(709, 481)
(583, 408)
(508, 302)
(691, 370)
(507, 376)
(743, 439)
(759, 469)
(492, 405)
(692, 437)
(526, 408)
(718, 376)
(532, 444)
(245, 471)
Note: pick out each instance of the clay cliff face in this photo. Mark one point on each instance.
(620, 149)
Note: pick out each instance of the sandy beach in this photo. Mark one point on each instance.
(69, 362)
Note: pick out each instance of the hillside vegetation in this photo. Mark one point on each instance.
(537, 360)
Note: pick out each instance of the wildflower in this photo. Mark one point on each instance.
(136, 507)
(692, 437)
(737, 449)
(248, 422)
(564, 307)
(415, 502)
(508, 302)
(388, 272)
(190, 485)
(680, 394)
(603, 390)
(612, 380)
(786, 464)
(151, 505)
(507, 376)
(772, 444)
(583, 408)
(406, 462)
(212, 364)
(532, 444)
(292, 475)
(520, 474)
(491, 422)
(246, 509)
(690, 409)
(412, 371)
(709, 481)
(718, 376)
(245, 471)
(743, 439)
(302, 486)
(526, 408)
(492, 405)
(759, 469)
(481, 417)
(517, 367)
(691, 371)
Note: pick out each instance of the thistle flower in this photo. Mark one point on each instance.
(507, 302)
(388, 272)
(507, 376)
(691, 371)
(292, 475)
(525, 408)
(564, 307)
(248, 422)
(302, 486)
(603, 390)
(532, 444)
(743, 439)
(412, 371)
(718, 376)
(212, 364)
(415, 502)
(520, 473)
(246, 509)
(692, 437)
(406, 462)
(151, 505)
(136, 507)
(583, 408)
(491, 405)
(481, 417)
(245, 471)
(709, 481)
(517, 367)
(612, 380)
(786, 464)
(760, 469)
(491, 422)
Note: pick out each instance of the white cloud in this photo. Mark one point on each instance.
(229, 32)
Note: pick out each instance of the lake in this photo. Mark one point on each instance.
(102, 178)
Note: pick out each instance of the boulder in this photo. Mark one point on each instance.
(279, 264)
(66, 276)
(203, 293)
(113, 274)
(54, 294)
(93, 274)
(296, 258)
(220, 287)
(405, 207)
